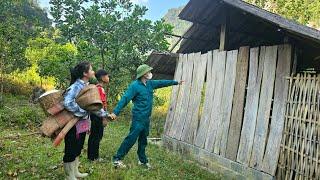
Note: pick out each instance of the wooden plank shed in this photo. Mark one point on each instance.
(250, 102)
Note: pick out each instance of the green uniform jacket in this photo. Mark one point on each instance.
(142, 97)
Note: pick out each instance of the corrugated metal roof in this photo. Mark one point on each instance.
(164, 64)
(248, 25)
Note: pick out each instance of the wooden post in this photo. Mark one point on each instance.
(286, 40)
(295, 60)
(223, 36)
(175, 44)
(223, 33)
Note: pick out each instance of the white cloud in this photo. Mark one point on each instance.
(144, 2)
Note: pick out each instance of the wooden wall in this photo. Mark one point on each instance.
(232, 103)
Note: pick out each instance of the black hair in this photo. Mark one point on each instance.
(78, 70)
(100, 73)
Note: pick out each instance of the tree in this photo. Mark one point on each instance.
(306, 12)
(19, 20)
(52, 59)
(115, 32)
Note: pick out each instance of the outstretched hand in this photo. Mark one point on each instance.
(112, 116)
(181, 82)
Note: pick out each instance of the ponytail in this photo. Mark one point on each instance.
(73, 75)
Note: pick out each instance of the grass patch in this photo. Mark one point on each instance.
(34, 157)
(19, 113)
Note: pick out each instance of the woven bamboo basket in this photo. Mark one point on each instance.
(50, 101)
(89, 98)
(58, 117)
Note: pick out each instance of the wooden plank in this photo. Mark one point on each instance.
(212, 57)
(264, 109)
(174, 96)
(176, 115)
(196, 59)
(186, 96)
(193, 107)
(226, 104)
(251, 107)
(270, 159)
(219, 69)
(197, 96)
(238, 104)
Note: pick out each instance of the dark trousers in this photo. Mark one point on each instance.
(73, 145)
(138, 130)
(96, 134)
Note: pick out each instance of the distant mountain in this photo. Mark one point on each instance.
(180, 26)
